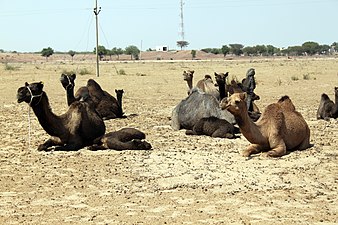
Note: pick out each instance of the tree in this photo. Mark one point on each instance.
(225, 50)
(236, 49)
(133, 51)
(193, 54)
(117, 52)
(310, 47)
(101, 51)
(46, 52)
(249, 50)
(72, 53)
(182, 44)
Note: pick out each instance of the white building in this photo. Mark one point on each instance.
(162, 48)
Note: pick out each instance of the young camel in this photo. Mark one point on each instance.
(205, 85)
(327, 108)
(125, 138)
(280, 127)
(73, 130)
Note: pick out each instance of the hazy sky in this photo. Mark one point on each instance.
(31, 25)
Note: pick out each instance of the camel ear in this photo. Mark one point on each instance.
(73, 75)
(26, 84)
(226, 74)
(40, 85)
(243, 95)
(216, 74)
(192, 71)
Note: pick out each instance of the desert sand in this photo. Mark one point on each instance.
(183, 179)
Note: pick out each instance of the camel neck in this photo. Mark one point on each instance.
(222, 93)
(51, 123)
(248, 128)
(70, 95)
(189, 82)
(119, 100)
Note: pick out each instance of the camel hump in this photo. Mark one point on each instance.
(284, 98)
(286, 103)
(325, 97)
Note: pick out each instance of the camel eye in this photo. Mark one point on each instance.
(237, 102)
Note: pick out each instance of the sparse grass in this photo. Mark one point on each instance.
(10, 67)
(68, 71)
(294, 78)
(121, 72)
(306, 76)
(279, 81)
(84, 71)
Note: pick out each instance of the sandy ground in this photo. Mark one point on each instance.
(183, 179)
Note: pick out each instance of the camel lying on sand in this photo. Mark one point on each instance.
(327, 108)
(80, 126)
(280, 127)
(73, 130)
(106, 105)
(123, 139)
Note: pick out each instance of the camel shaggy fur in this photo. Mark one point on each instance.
(123, 139)
(73, 130)
(327, 108)
(196, 106)
(280, 127)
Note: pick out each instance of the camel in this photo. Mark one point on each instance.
(213, 127)
(105, 104)
(188, 77)
(119, 95)
(280, 127)
(196, 106)
(73, 130)
(123, 139)
(327, 108)
(205, 85)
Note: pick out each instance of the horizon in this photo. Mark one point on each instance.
(33, 25)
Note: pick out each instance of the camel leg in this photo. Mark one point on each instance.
(305, 144)
(49, 143)
(252, 149)
(277, 151)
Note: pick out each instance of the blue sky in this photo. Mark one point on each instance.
(31, 25)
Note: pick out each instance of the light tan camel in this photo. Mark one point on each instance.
(205, 85)
(280, 127)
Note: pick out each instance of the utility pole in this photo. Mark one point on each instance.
(96, 12)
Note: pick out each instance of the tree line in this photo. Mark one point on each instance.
(307, 48)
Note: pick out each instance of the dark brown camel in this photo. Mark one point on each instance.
(105, 104)
(214, 127)
(119, 95)
(73, 130)
(327, 108)
(124, 139)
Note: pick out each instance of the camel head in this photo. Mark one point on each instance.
(188, 75)
(251, 72)
(67, 80)
(119, 92)
(220, 77)
(30, 93)
(235, 104)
